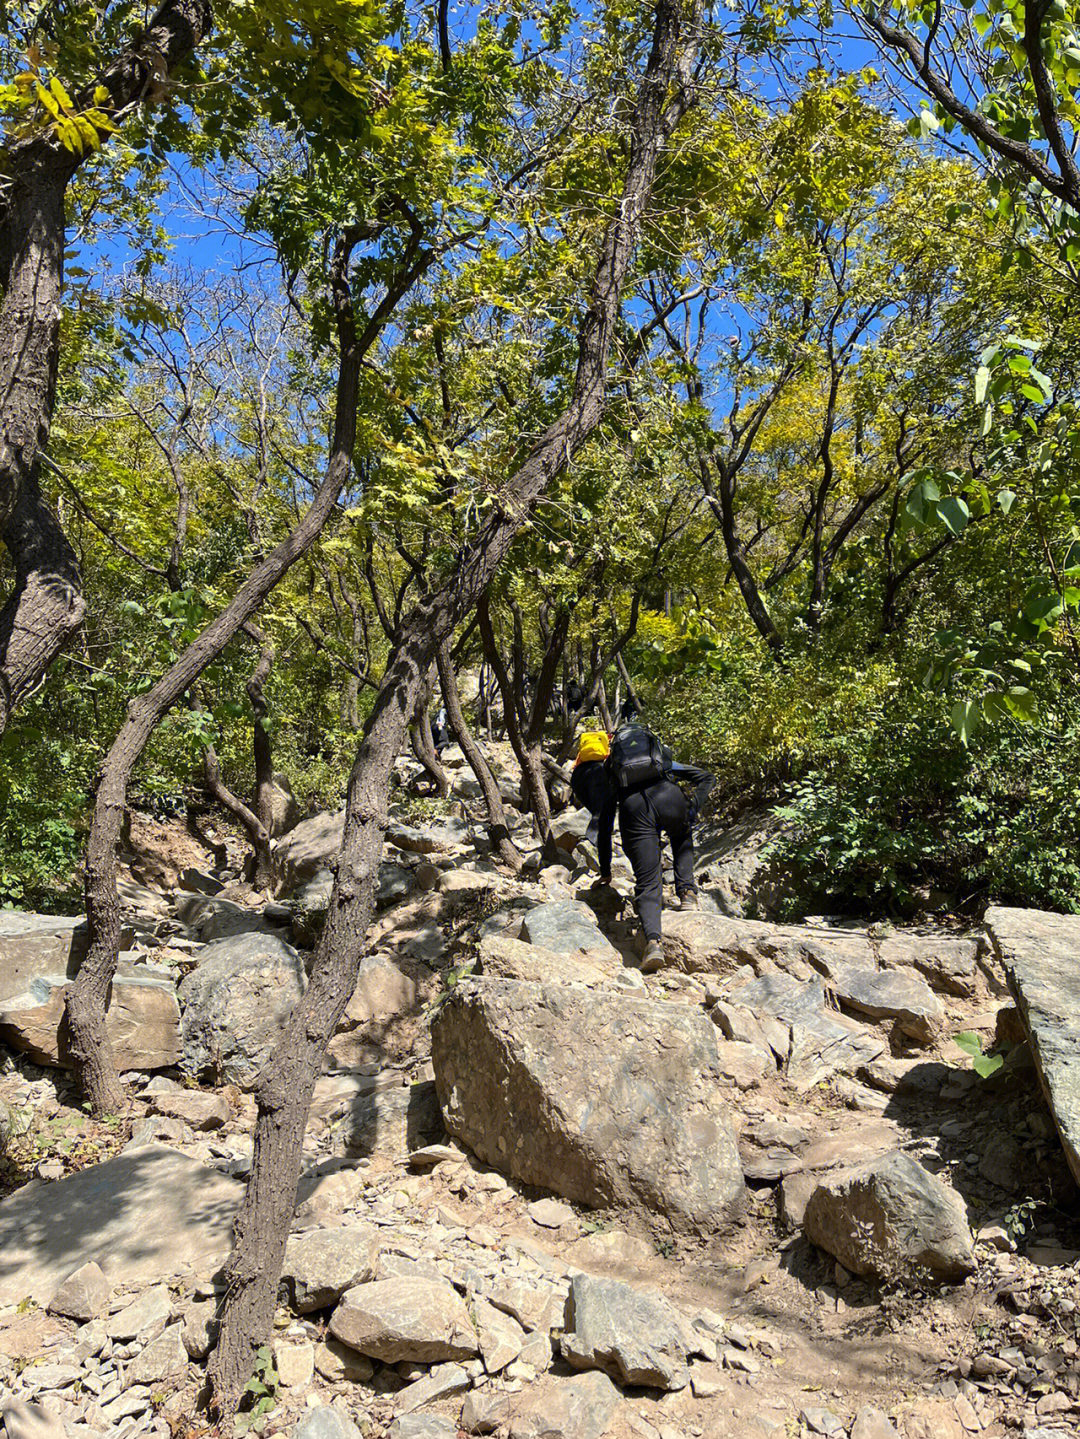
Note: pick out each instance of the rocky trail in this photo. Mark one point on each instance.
(760, 1192)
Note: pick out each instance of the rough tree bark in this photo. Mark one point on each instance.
(88, 996)
(498, 829)
(46, 603)
(284, 1088)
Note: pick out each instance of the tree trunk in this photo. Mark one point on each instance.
(46, 604)
(498, 829)
(263, 752)
(284, 1089)
(88, 996)
(423, 742)
(528, 756)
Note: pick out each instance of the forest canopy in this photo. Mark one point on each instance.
(825, 525)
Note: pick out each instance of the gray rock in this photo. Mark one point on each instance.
(375, 1115)
(578, 1408)
(821, 1421)
(145, 1316)
(738, 871)
(889, 1215)
(192, 1107)
(142, 1019)
(422, 1426)
(200, 1328)
(325, 1423)
(484, 1410)
(568, 828)
(443, 1381)
(566, 926)
(234, 1003)
(414, 1319)
(163, 1358)
(872, 1423)
(197, 881)
(142, 1216)
(637, 1337)
(596, 1096)
(822, 1043)
(32, 945)
(1040, 952)
(503, 958)
(308, 850)
(501, 1336)
(893, 994)
(386, 987)
(283, 806)
(84, 1294)
(447, 834)
(208, 917)
(948, 962)
(699, 942)
(322, 1264)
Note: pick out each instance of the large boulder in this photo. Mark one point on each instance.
(142, 1020)
(308, 848)
(503, 958)
(602, 1098)
(887, 1216)
(1041, 955)
(284, 809)
(235, 1002)
(34, 945)
(144, 1216)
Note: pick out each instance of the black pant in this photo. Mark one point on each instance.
(644, 816)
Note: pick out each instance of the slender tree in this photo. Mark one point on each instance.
(284, 1088)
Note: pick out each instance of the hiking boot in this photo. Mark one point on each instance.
(689, 900)
(653, 958)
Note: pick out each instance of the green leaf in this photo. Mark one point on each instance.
(982, 379)
(954, 514)
(1006, 499)
(964, 717)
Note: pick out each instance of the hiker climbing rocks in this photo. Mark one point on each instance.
(636, 778)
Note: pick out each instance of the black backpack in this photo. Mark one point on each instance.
(637, 758)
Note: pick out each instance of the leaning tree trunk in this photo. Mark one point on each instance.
(423, 743)
(498, 829)
(46, 603)
(87, 998)
(284, 1088)
(532, 770)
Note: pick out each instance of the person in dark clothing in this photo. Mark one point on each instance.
(593, 790)
(440, 731)
(647, 810)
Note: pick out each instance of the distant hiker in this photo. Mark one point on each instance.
(594, 791)
(440, 731)
(629, 710)
(641, 775)
(575, 697)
